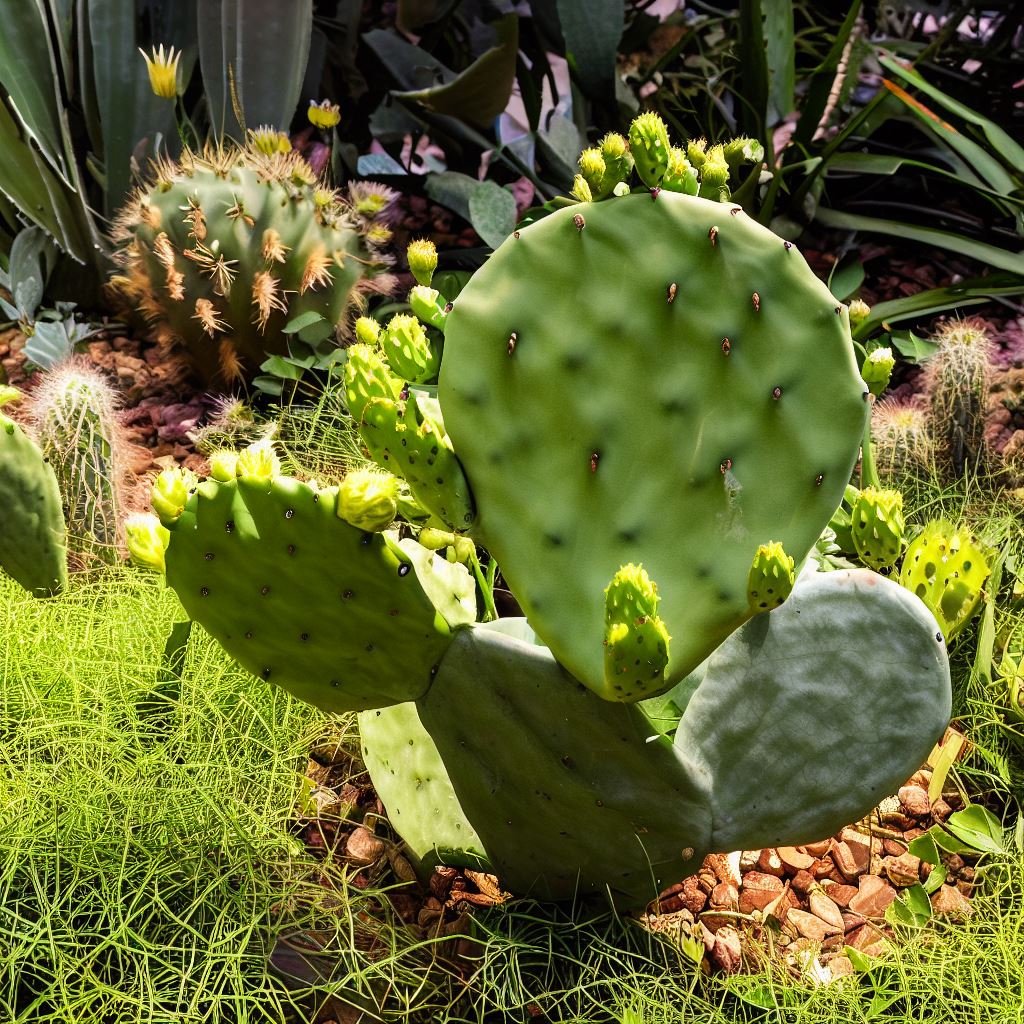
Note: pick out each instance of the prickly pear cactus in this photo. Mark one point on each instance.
(877, 527)
(663, 409)
(33, 537)
(224, 248)
(74, 413)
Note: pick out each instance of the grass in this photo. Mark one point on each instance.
(149, 868)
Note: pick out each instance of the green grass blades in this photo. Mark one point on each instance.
(33, 538)
(677, 407)
(301, 598)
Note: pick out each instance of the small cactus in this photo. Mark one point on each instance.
(223, 248)
(958, 382)
(901, 441)
(74, 417)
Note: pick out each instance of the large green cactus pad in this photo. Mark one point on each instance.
(802, 721)
(33, 538)
(296, 595)
(704, 397)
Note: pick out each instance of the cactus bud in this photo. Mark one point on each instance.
(147, 540)
(8, 394)
(593, 169)
(947, 569)
(742, 150)
(368, 500)
(680, 176)
(877, 370)
(171, 490)
(877, 526)
(648, 142)
(368, 331)
(428, 305)
(771, 577)
(581, 190)
(859, 312)
(258, 461)
(714, 176)
(408, 349)
(422, 256)
(696, 152)
(367, 376)
(622, 189)
(459, 548)
(633, 632)
(618, 161)
(224, 465)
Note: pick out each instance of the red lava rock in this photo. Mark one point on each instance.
(903, 870)
(793, 859)
(724, 869)
(688, 895)
(748, 860)
(724, 896)
(364, 847)
(867, 939)
(874, 895)
(852, 854)
(823, 868)
(771, 863)
(948, 901)
(915, 800)
(941, 810)
(893, 848)
(803, 881)
(818, 849)
(841, 967)
(726, 953)
(822, 906)
(841, 895)
(810, 926)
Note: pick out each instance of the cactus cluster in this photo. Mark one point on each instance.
(74, 418)
(646, 411)
(223, 248)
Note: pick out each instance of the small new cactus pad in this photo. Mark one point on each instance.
(33, 537)
(635, 640)
(877, 526)
(74, 414)
(679, 409)
(584, 796)
(771, 577)
(947, 569)
(227, 246)
(301, 598)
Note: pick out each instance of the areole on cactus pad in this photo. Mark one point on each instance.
(647, 410)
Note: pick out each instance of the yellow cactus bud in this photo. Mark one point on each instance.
(224, 465)
(147, 540)
(771, 577)
(422, 256)
(269, 141)
(648, 142)
(367, 330)
(877, 369)
(8, 394)
(581, 190)
(258, 461)
(171, 491)
(368, 500)
(859, 312)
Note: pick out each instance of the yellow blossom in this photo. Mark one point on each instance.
(324, 114)
(163, 71)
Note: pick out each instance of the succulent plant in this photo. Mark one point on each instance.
(877, 527)
(958, 381)
(223, 248)
(647, 410)
(33, 539)
(74, 416)
(901, 441)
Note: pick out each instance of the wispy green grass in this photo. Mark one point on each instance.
(148, 867)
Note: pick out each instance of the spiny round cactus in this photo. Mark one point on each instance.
(223, 248)
(75, 421)
(958, 382)
(900, 439)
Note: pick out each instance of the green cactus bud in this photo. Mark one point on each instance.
(742, 150)
(635, 639)
(877, 369)
(367, 376)
(771, 577)
(593, 169)
(696, 152)
(459, 548)
(9, 394)
(147, 540)
(422, 256)
(680, 176)
(408, 349)
(581, 190)
(878, 527)
(171, 490)
(859, 312)
(223, 465)
(648, 142)
(714, 176)
(947, 569)
(368, 331)
(258, 461)
(618, 161)
(368, 500)
(428, 304)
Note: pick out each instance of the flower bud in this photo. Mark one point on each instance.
(648, 142)
(422, 257)
(367, 376)
(408, 349)
(258, 461)
(714, 176)
(633, 633)
(771, 577)
(680, 176)
(368, 331)
(368, 500)
(428, 305)
(171, 491)
(877, 369)
(147, 540)
(581, 190)
(743, 150)
(859, 312)
(224, 465)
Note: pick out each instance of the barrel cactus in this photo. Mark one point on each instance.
(223, 248)
(647, 409)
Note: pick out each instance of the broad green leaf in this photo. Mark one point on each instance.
(411, 67)
(991, 255)
(911, 347)
(924, 847)
(302, 321)
(913, 909)
(453, 190)
(492, 212)
(48, 345)
(978, 827)
(592, 30)
(282, 368)
(846, 277)
(481, 92)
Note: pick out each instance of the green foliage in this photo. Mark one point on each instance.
(223, 249)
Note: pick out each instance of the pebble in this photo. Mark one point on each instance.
(915, 800)
(873, 896)
(364, 847)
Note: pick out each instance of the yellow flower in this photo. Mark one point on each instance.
(163, 71)
(269, 140)
(324, 114)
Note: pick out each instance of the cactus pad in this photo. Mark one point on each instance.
(33, 537)
(704, 396)
(301, 598)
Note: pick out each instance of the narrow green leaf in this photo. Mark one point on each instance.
(780, 56)
(846, 277)
(753, 66)
(592, 30)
